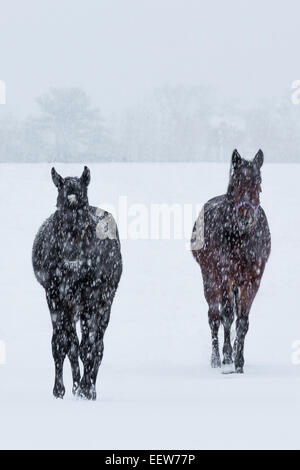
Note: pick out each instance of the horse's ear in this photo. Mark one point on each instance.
(57, 179)
(259, 158)
(86, 176)
(236, 159)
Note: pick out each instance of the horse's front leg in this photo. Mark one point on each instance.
(87, 354)
(91, 350)
(246, 297)
(60, 342)
(214, 323)
(242, 326)
(227, 316)
(93, 326)
(103, 319)
(73, 355)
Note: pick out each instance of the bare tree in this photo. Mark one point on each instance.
(71, 129)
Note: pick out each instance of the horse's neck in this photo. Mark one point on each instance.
(230, 222)
(73, 221)
(230, 225)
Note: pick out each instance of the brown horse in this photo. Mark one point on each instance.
(231, 242)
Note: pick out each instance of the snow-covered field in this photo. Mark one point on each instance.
(155, 387)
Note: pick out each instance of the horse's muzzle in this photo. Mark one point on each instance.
(72, 198)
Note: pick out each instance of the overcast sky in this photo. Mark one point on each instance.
(118, 50)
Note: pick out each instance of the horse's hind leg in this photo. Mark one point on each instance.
(73, 355)
(214, 323)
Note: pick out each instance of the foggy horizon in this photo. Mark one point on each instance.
(118, 52)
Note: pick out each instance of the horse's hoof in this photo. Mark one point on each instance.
(88, 393)
(239, 370)
(59, 392)
(227, 368)
(215, 362)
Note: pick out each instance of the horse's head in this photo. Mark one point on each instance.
(244, 188)
(72, 192)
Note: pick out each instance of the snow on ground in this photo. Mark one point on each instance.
(155, 387)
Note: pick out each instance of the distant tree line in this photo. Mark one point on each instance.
(172, 124)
